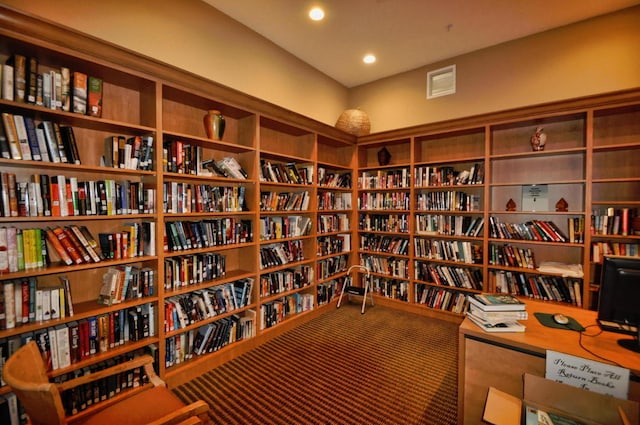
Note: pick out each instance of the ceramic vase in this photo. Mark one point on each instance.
(384, 156)
(214, 124)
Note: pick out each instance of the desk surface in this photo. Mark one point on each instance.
(538, 338)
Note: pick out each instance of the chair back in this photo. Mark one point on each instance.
(26, 375)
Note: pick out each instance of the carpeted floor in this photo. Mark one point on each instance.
(383, 367)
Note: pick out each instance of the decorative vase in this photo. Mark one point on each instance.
(384, 156)
(354, 121)
(511, 205)
(214, 124)
(562, 205)
(538, 140)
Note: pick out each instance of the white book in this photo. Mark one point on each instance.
(39, 306)
(23, 139)
(46, 90)
(46, 304)
(7, 82)
(62, 191)
(9, 303)
(53, 347)
(73, 181)
(17, 302)
(64, 349)
(12, 249)
(55, 303)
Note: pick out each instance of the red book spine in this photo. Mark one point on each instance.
(68, 246)
(57, 245)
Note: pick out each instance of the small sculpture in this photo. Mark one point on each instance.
(562, 205)
(511, 205)
(384, 156)
(538, 140)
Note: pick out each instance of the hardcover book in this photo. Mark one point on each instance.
(496, 302)
(94, 106)
(79, 93)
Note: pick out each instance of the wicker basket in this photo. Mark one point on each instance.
(354, 121)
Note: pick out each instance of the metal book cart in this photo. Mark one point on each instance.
(356, 290)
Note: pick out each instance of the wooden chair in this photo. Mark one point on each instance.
(154, 403)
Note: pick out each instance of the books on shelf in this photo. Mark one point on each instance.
(497, 312)
(496, 302)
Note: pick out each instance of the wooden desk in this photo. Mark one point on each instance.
(501, 359)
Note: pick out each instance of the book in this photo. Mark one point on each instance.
(94, 100)
(23, 139)
(5, 150)
(50, 138)
(496, 302)
(19, 64)
(70, 144)
(34, 143)
(79, 93)
(65, 89)
(31, 80)
(499, 326)
(11, 134)
(7, 82)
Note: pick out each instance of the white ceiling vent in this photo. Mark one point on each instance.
(441, 82)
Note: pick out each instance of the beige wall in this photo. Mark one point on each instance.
(194, 36)
(595, 56)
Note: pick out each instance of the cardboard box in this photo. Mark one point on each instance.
(582, 406)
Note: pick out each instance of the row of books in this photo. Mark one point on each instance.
(209, 338)
(384, 201)
(277, 311)
(613, 221)
(448, 250)
(497, 312)
(58, 196)
(184, 310)
(180, 198)
(134, 240)
(23, 301)
(328, 178)
(440, 298)
(69, 343)
(441, 224)
(385, 179)
(459, 277)
(326, 291)
(278, 254)
(542, 287)
(328, 223)
(384, 243)
(125, 283)
(331, 266)
(535, 230)
(186, 270)
(601, 248)
(21, 138)
(328, 245)
(280, 227)
(184, 158)
(186, 235)
(286, 280)
(390, 288)
(59, 88)
(452, 200)
(448, 176)
(289, 173)
(80, 398)
(397, 267)
(284, 201)
(512, 256)
(334, 201)
(128, 153)
(396, 223)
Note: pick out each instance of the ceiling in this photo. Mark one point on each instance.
(403, 34)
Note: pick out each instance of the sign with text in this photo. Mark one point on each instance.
(588, 374)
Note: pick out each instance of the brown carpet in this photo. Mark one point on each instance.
(383, 367)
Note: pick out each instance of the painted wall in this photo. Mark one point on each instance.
(196, 37)
(595, 56)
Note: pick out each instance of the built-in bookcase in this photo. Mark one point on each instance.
(205, 293)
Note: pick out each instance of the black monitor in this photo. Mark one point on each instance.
(619, 300)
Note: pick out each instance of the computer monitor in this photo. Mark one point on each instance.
(619, 300)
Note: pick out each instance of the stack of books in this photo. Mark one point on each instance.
(497, 312)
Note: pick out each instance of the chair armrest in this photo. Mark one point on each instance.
(197, 408)
(145, 360)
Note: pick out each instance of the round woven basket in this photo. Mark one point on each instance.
(354, 121)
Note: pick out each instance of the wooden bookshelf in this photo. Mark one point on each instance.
(146, 98)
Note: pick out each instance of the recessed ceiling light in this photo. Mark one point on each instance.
(316, 14)
(369, 59)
